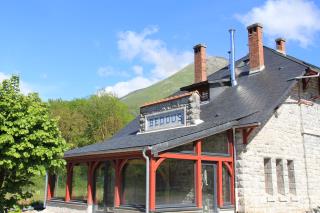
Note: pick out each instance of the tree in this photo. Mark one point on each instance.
(30, 142)
(107, 115)
(89, 120)
(72, 123)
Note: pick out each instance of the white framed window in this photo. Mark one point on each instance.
(291, 177)
(268, 176)
(280, 178)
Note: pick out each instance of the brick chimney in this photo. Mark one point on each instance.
(281, 45)
(256, 56)
(200, 67)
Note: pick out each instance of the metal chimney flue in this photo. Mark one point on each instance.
(232, 59)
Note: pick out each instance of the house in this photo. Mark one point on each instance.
(252, 145)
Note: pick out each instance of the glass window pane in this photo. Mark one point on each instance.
(187, 148)
(134, 183)
(60, 184)
(291, 176)
(268, 176)
(226, 186)
(104, 186)
(79, 182)
(280, 179)
(175, 183)
(215, 144)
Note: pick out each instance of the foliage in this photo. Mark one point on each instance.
(30, 142)
(89, 120)
(169, 85)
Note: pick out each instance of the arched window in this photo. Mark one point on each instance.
(104, 186)
(175, 183)
(60, 184)
(79, 182)
(134, 183)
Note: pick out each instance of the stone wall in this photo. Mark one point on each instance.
(292, 133)
(311, 135)
(64, 207)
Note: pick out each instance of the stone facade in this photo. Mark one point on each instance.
(292, 133)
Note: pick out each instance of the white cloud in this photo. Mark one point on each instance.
(24, 87)
(123, 88)
(108, 71)
(133, 45)
(138, 46)
(137, 69)
(296, 20)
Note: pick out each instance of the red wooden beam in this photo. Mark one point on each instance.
(69, 182)
(228, 167)
(178, 156)
(232, 185)
(159, 161)
(50, 191)
(195, 157)
(246, 133)
(117, 185)
(230, 142)
(152, 195)
(198, 178)
(122, 164)
(220, 192)
(216, 158)
(90, 183)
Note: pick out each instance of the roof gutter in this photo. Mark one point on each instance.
(308, 76)
(247, 125)
(104, 152)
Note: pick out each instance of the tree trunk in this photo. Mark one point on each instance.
(2, 177)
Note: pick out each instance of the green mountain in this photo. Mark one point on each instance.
(169, 85)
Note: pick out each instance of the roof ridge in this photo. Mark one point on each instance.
(292, 58)
(168, 99)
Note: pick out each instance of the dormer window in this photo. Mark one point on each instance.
(202, 88)
(204, 95)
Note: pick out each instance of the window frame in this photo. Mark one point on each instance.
(291, 177)
(280, 177)
(268, 179)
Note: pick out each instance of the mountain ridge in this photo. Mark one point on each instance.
(169, 85)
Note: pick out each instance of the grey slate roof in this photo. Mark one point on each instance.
(253, 100)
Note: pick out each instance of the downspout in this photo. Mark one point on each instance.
(45, 190)
(304, 147)
(234, 168)
(145, 156)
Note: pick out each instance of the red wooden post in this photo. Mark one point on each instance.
(89, 185)
(198, 177)
(232, 185)
(50, 190)
(69, 182)
(220, 197)
(152, 188)
(117, 184)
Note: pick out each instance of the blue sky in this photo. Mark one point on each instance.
(71, 49)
